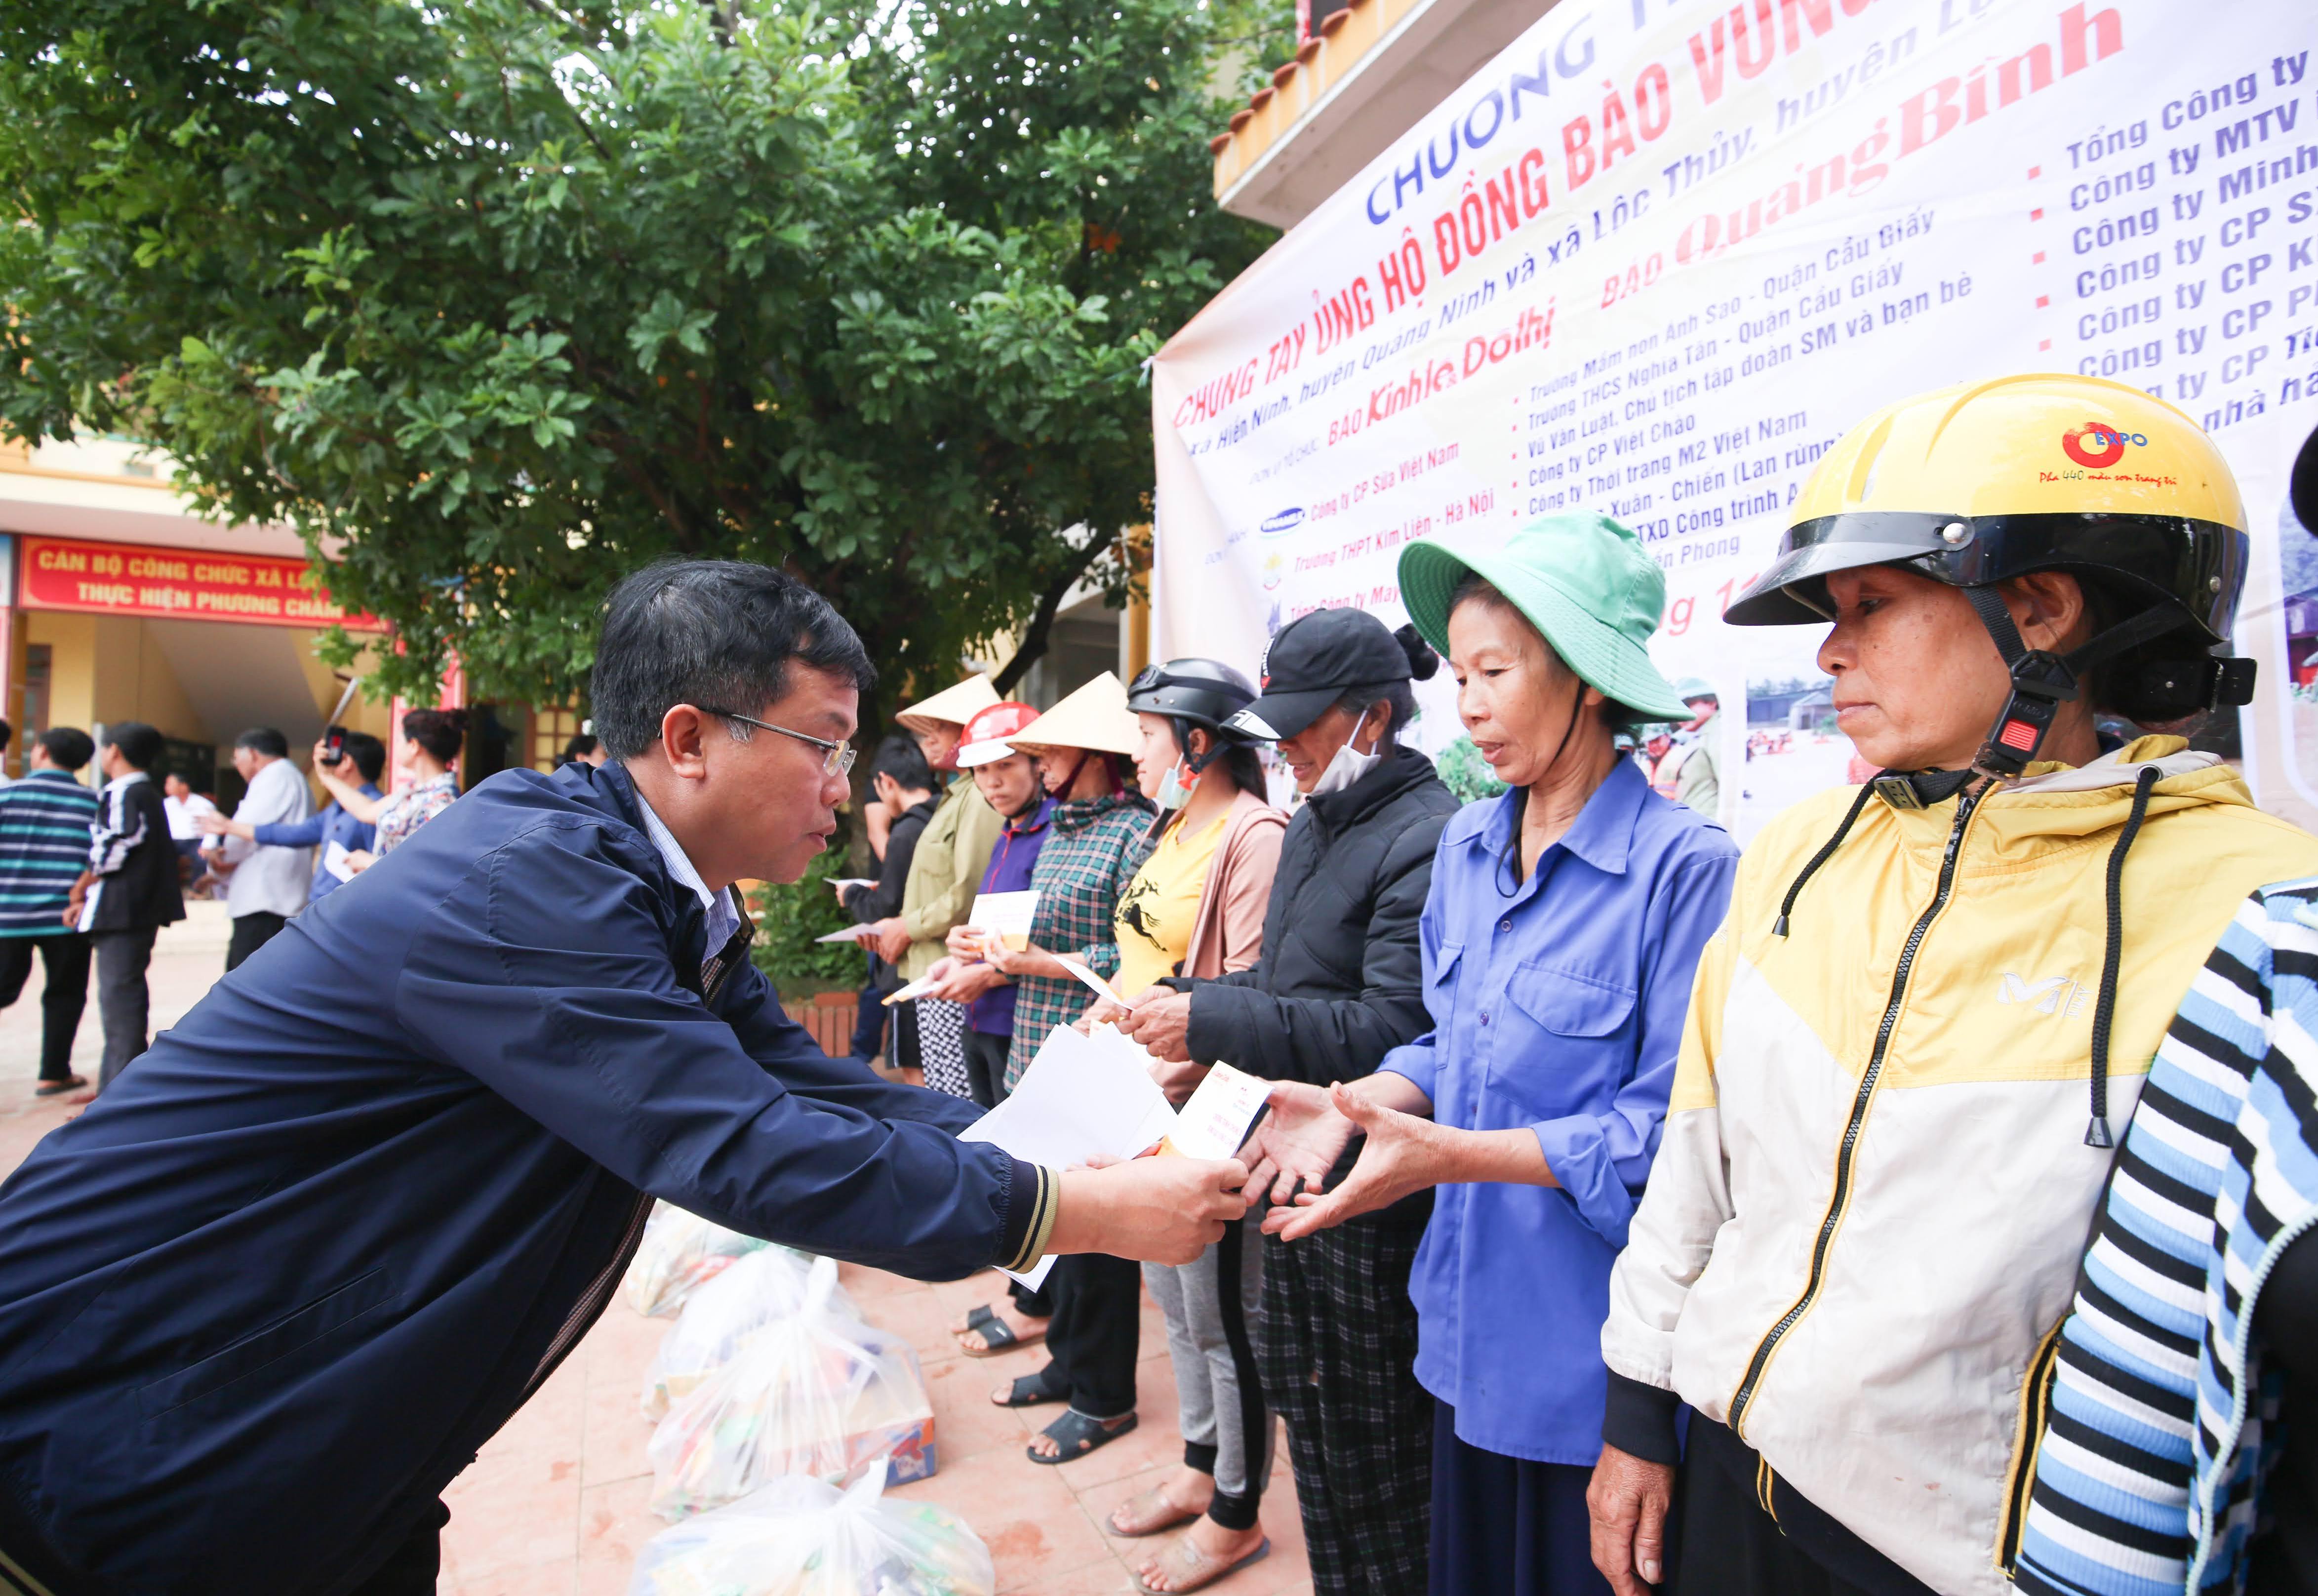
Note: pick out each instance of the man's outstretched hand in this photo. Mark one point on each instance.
(1158, 1210)
(1627, 1503)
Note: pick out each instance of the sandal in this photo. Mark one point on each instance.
(1029, 1391)
(997, 1335)
(1157, 1513)
(1076, 1435)
(55, 1089)
(1200, 1568)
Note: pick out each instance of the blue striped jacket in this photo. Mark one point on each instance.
(2148, 1481)
(44, 842)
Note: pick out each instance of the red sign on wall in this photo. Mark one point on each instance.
(185, 584)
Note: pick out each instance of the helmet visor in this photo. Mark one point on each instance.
(2195, 567)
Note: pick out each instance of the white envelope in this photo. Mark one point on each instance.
(1082, 1098)
(1006, 916)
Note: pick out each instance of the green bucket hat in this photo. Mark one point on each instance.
(1583, 582)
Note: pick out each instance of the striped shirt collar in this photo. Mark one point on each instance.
(724, 919)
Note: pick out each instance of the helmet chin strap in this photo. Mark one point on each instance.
(2042, 681)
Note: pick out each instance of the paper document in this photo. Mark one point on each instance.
(850, 934)
(1215, 1122)
(910, 993)
(1082, 1098)
(850, 881)
(1006, 916)
(1102, 987)
(335, 861)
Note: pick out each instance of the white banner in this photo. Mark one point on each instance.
(1654, 260)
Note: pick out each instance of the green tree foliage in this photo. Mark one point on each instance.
(496, 300)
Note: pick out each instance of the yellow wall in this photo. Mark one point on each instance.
(103, 669)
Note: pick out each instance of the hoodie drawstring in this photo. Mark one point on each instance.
(2096, 1133)
(1851, 817)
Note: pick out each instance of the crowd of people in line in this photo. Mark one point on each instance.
(1915, 1202)
(89, 875)
(1476, 1021)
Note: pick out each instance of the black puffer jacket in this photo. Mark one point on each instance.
(1341, 982)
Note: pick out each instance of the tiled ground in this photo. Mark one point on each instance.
(555, 1505)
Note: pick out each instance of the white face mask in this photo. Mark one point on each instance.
(1348, 763)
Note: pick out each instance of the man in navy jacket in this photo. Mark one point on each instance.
(263, 1301)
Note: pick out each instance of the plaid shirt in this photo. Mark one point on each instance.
(1096, 847)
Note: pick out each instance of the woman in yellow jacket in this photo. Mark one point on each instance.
(1935, 997)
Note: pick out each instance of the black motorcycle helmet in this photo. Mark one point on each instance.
(1194, 692)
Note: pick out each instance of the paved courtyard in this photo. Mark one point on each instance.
(555, 1504)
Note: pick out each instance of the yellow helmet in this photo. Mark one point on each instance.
(1977, 483)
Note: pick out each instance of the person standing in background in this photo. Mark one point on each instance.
(1698, 780)
(902, 789)
(264, 887)
(1339, 986)
(127, 892)
(44, 834)
(331, 823)
(187, 808)
(584, 749)
(1196, 909)
(1010, 784)
(7, 735)
(951, 856)
(431, 741)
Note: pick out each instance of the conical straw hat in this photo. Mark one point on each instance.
(1096, 716)
(952, 706)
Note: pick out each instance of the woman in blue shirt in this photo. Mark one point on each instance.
(1564, 924)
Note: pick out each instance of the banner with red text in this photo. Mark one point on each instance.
(182, 584)
(1656, 258)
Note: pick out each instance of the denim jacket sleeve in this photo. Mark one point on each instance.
(547, 974)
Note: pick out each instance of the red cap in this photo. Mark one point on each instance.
(986, 734)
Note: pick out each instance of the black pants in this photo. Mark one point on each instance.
(985, 1066)
(122, 1000)
(905, 1054)
(870, 1023)
(1336, 1341)
(1095, 1332)
(1726, 1541)
(1506, 1525)
(64, 957)
(251, 932)
(412, 1569)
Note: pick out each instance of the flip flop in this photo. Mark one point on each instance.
(1028, 1391)
(57, 1088)
(1076, 1435)
(997, 1335)
(1203, 1570)
(1153, 1501)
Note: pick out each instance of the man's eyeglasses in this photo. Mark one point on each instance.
(836, 757)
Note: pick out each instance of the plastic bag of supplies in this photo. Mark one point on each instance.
(819, 1393)
(680, 1253)
(797, 1537)
(764, 1286)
